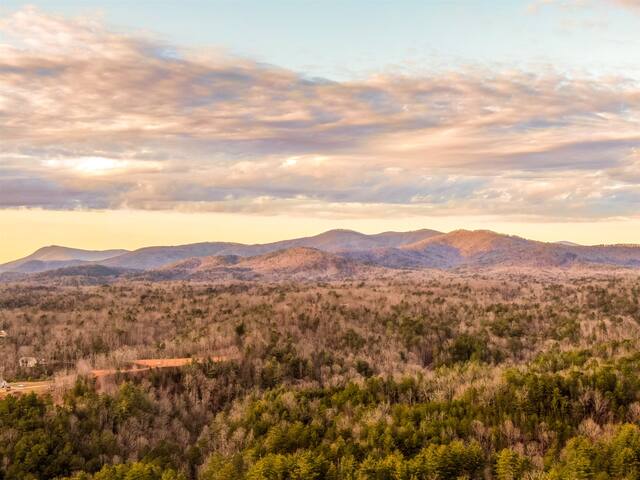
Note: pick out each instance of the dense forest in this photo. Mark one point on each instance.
(438, 377)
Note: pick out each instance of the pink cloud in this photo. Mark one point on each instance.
(198, 130)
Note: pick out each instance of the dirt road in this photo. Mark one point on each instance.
(140, 365)
(27, 387)
(144, 364)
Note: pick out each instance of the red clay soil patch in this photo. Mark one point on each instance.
(162, 362)
(144, 364)
(112, 371)
(141, 365)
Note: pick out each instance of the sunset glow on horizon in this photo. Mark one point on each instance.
(116, 134)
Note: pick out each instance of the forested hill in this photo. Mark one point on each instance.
(449, 378)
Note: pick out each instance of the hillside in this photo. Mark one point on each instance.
(336, 253)
(155, 257)
(302, 261)
(54, 257)
(334, 241)
(81, 274)
(486, 249)
(294, 263)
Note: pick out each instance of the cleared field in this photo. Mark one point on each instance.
(27, 387)
(140, 365)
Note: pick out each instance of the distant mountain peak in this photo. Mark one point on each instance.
(55, 256)
(339, 232)
(336, 252)
(568, 244)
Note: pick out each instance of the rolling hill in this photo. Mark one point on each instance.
(156, 257)
(294, 263)
(334, 241)
(483, 249)
(303, 261)
(55, 257)
(333, 254)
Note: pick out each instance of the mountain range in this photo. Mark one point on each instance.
(55, 257)
(333, 254)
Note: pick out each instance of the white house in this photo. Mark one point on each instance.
(28, 362)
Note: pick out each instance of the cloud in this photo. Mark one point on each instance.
(536, 5)
(635, 4)
(90, 118)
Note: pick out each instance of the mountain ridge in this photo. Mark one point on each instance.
(335, 253)
(334, 241)
(55, 256)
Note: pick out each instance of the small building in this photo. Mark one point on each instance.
(3, 334)
(28, 362)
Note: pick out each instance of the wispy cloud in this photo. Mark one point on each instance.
(90, 118)
(628, 3)
(536, 5)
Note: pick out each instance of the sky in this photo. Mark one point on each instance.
(127, 124)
